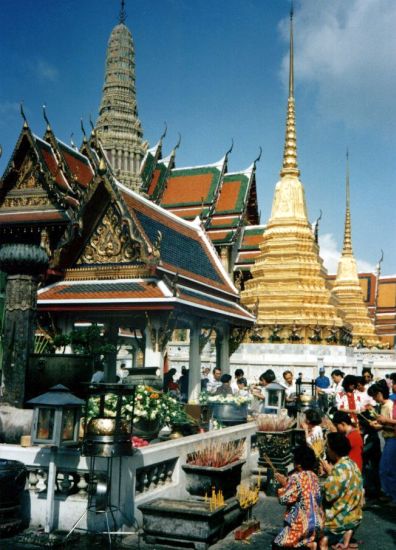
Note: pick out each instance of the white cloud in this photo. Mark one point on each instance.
(47, 71)
(346, 52)
(330, 254)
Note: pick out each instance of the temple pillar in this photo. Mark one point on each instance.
(194, 362)
(110, 367)
(23, 264)
(223, 349)
(153, 356)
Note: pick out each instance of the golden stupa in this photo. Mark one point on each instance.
(288, 291)
(347, 289)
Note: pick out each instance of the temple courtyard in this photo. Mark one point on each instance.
(378, 530)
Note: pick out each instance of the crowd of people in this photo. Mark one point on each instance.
(326, 492)
(355, 417)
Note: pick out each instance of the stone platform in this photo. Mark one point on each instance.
(377, 530)
(307, 358)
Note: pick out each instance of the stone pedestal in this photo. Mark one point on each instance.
(169, 521)
(200, 480)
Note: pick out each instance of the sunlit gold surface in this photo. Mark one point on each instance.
(347, 289)
(289, 287)
(105, 426)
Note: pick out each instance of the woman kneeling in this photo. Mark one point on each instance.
(300, 492)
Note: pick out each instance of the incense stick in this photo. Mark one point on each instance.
(269, 462)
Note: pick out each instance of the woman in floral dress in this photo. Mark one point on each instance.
(304, 518)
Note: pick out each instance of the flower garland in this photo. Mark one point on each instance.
(150, 404)
(238, 400)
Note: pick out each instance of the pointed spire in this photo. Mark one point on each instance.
(48, 129)
(257, 159)
(347, 248)
(290, 166)
(123, 15)
(25, 122)
(291, 56)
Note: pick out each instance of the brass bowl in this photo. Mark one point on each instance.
(106, 426)
(175, 435)
(305, 398)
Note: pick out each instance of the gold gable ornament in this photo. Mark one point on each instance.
(110, 243)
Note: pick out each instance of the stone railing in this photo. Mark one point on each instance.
(152, 471)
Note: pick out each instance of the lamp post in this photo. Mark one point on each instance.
(56, 423)
(274, 398)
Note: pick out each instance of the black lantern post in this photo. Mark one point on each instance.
(305, 394)
(56, 423)
(274, 398)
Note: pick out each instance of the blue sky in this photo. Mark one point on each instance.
(216, 70)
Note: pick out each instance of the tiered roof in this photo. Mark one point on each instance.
(249, 249)
(113, 249)
(42, 183)
(225, 202)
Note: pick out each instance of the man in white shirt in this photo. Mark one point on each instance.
(290, 393)
(214, 381)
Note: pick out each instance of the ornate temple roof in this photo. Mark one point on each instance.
(113, 249)
(224, 201)
(37, 187)
(109, 246)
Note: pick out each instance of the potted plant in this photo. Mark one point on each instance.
(216, 464)
(229, 410)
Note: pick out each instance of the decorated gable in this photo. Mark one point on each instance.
(110, 242)
(29, 192)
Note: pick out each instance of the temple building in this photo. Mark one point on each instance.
(118, 126)
(86, 248)
(116, 233)
(226, 203)
(288, 288)
(347, 289)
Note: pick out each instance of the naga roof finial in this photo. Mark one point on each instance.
(178, 142)
(25, 122)
(123, 15)
(83, 130)
(231, 148)
(46, 118)
(256, 160)
(164, 132)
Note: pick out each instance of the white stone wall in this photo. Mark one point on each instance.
(145, 468)
(256, 358)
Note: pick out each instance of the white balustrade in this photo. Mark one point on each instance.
(151, 472)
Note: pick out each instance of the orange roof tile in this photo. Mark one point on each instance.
(187, 189)
(80, 170)
(109, 290)
(228, 196)
(154, 181)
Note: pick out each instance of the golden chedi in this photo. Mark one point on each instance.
(288, 290)
(347, 289)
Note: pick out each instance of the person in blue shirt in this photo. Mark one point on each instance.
(322, 382)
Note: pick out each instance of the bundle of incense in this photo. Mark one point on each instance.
(269, 462)
(365, 417)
